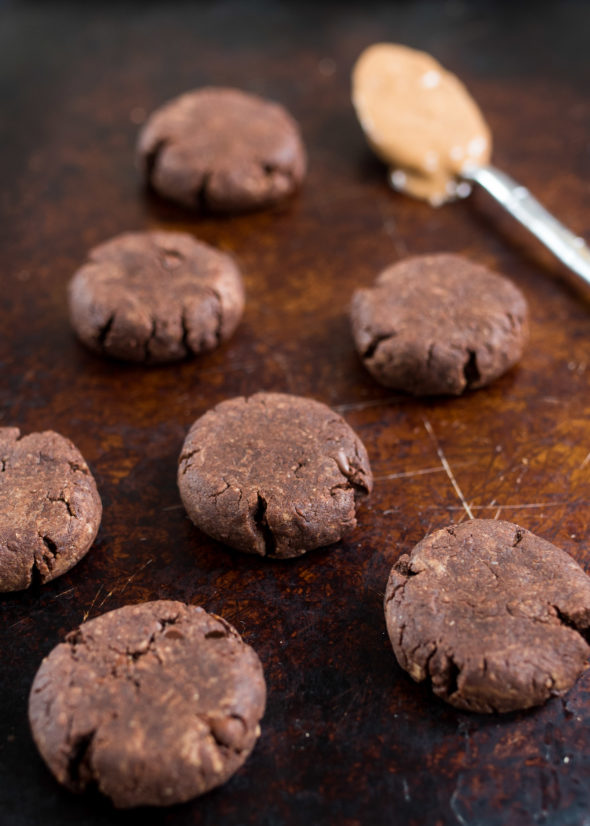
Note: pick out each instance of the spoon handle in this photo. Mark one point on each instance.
(517, 200)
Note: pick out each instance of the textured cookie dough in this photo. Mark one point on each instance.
(420, 119)
(439, 324)
(50, 509)
(222, 150)
(493, 616)
(273, 474)
(152, 704)
(155, 297)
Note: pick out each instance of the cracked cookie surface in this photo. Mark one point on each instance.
(439, 324)
(50, 509)
(496, 618)
(151, 704)
(222, 150)
(155, 297)
(273, 474)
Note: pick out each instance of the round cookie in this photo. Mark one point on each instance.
(437, 324)
(155, 297)
(50, 509)
(222, 150)
(273, 474)
(493, 616)
(152, 704)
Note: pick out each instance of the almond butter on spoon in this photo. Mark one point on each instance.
(423, 123)
(419, 119)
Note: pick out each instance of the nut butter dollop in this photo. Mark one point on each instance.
(419, 119)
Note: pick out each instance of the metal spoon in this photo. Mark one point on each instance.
(516, 199)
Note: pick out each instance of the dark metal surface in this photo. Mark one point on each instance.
(347, 738)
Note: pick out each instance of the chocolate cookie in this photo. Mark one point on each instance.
(222, 150)
(50, 509)
(273, 474)
(495, 617)
(155, 297)
(152, 704)
(439, 324)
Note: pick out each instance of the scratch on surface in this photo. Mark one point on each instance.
(342, 408)
(173, 507)
(63, 593)
(585, 462)
(108, 596)
(135, 573)
(511, 507)
(128, 580)
(447, 468)
(87, 613)
(455, 802)
(19, 622)
(409, 473)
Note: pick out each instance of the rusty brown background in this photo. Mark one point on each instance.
(347, 737)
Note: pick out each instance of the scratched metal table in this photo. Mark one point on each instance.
(347, 737)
